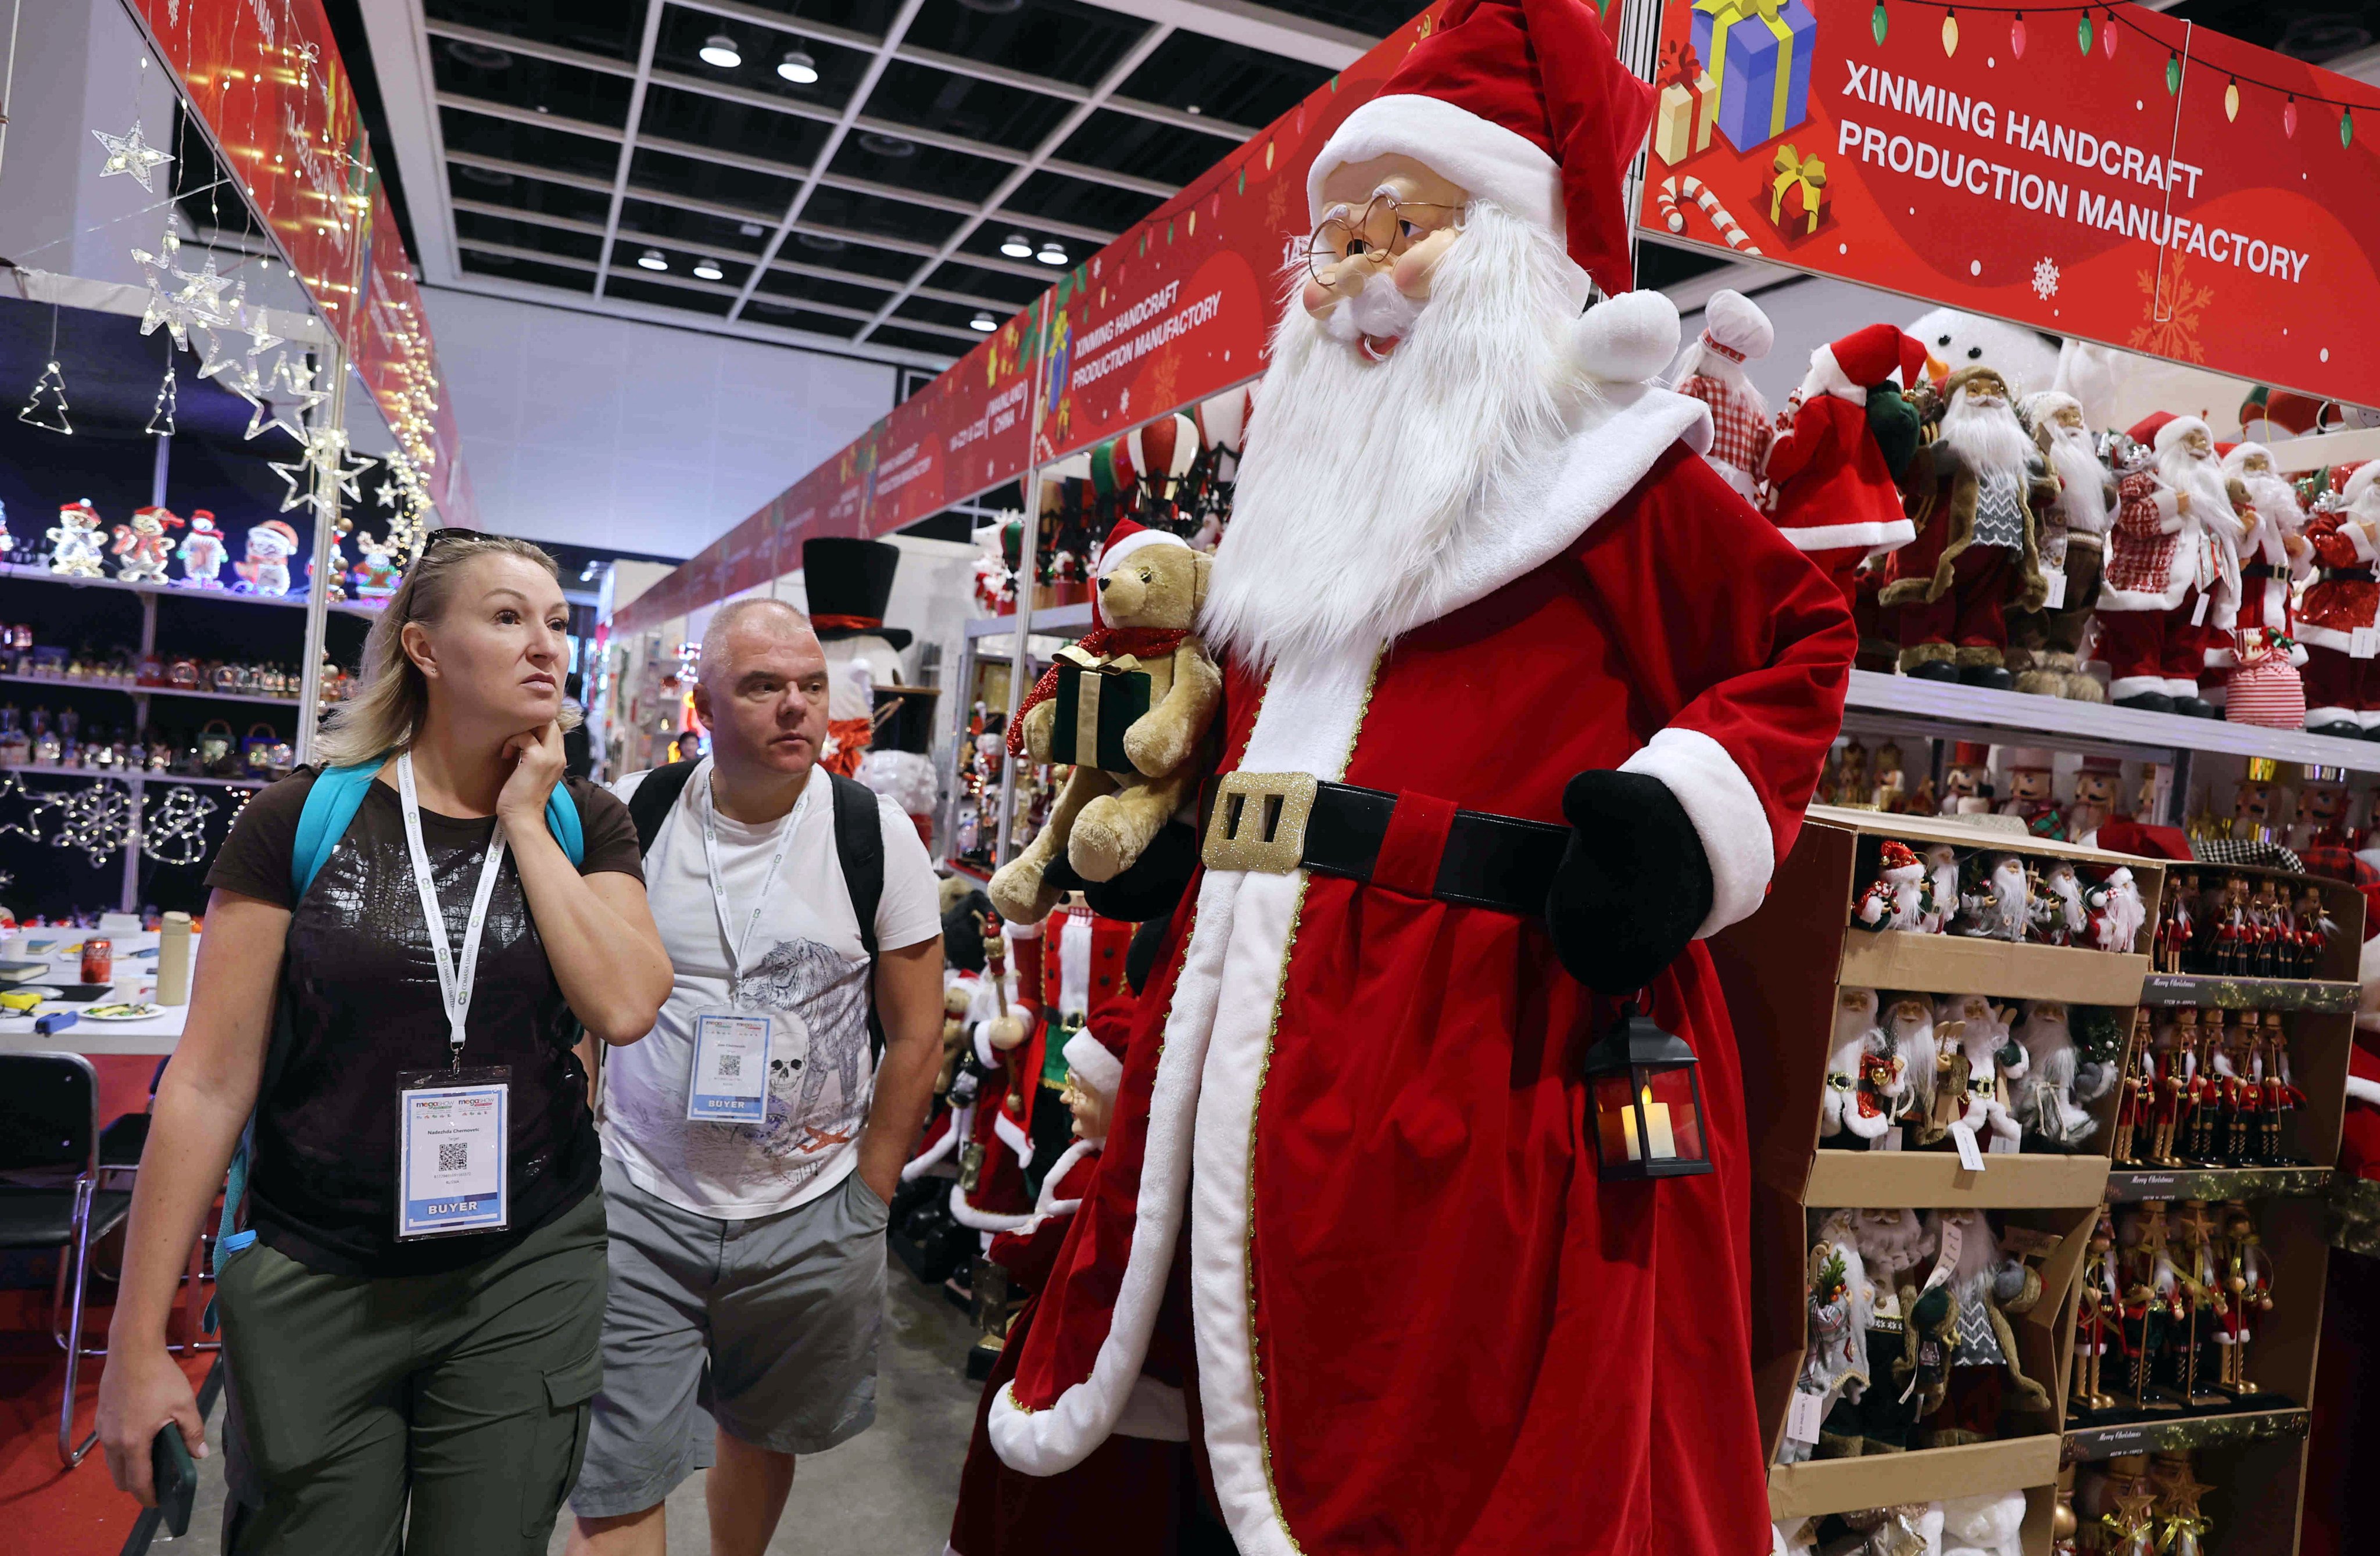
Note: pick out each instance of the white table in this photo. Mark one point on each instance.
(155, 1036)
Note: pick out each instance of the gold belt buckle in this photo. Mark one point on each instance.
(1259, 822)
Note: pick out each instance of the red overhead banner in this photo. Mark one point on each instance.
(2109, 172)
(266, 77)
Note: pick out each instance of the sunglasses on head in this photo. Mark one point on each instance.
(438, 538)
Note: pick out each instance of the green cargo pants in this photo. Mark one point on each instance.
(445, 1411)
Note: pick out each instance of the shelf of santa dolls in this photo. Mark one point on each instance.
(1947, 710)
(2131, 1185)
(181, 591)
(130, 776)
(134, 688)
(1936, 1179)
(2175, 1434)
(2209, 989)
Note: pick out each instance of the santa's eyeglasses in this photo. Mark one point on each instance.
(1385, 225)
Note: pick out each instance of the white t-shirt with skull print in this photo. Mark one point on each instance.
(802, 962)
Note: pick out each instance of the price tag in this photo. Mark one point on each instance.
(1889, 1141)
(1970, 1156)
(453, 1135)
(2003, 1146)
(2055, 600)
(1803, 1416)
(730, 1081)
(2198, 616)
(2364, 643)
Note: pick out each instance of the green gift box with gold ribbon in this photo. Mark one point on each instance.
(1759, 53)
(1097, 700)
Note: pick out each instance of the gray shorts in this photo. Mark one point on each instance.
(765, 1328)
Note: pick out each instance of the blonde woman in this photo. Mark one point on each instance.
(401, 950)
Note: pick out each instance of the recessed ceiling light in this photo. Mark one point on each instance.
(1192, 110)
(1051, 254)
(983, 322)
(544, 109)
(707, 269)
(1016, 246)
(494, 178)
(819, 241)
(750, 229)
(478, 56)
(718, 49)
(798, 68)
(651, 260)
(887, 145)
(992, 8)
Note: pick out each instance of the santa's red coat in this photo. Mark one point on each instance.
(1413, 1319)
(1833, 487)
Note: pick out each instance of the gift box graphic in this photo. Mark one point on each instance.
(1688, 107)
(1797, 192)
(1097, 701)
(1760, 52)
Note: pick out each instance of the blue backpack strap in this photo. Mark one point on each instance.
(561, 820)
(330, 805)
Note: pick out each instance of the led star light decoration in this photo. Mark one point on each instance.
(326, 454)
(163, 307)
(130, 153)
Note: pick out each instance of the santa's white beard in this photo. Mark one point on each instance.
(1891, 1241)
(1379, 310)
(1360, 477)
(2201, 477)
(2085, 494)
(2275, 501)
(1987, 437)
(1979, 1248)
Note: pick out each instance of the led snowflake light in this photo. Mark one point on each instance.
(130, 153)
(2044, 278)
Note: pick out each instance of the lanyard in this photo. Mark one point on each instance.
(454, 989)
(736, 939)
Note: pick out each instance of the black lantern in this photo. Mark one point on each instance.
(1649, 1105)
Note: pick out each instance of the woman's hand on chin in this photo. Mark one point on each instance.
(537, 762)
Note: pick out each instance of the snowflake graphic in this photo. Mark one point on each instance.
(2174, 336)
(2045, 279)
(1123, 402)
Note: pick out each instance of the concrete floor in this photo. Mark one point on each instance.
(888, 1491)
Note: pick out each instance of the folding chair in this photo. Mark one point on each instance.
(48, 1124)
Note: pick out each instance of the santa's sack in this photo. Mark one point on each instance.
(2265, 689)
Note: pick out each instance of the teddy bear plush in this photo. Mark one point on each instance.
(1125, 790)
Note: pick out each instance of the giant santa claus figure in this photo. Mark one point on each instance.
(1834, 496)
(1521, 701)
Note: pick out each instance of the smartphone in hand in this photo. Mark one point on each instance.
(177, 1478)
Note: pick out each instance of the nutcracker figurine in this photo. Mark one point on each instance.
(2281, 1096)
(2195, 1359)
(2169, 1098)
(2323, 801)
(2033, 795)
(2256, 808)
(2176, 923)
(2151, 1304)
(2136, 1093)
(2098, 785)
(2098, 1300)
(2248, 1282)
(1967, 782)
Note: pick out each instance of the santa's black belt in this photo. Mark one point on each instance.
(2259, 570)
(1414, 843)
(2347, 575)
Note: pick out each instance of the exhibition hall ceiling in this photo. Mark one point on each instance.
(880, 177)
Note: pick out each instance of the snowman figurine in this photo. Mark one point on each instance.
(204, 553)
(77, 543)
(266, 571)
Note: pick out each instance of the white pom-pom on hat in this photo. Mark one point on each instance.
(1626, 339)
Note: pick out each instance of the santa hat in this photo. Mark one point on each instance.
(1734, 327)
(2150, 429)
(1094, 1064)
(2360, 481)
(279, 531)
(1913, 357)
(80, 508)
(1523, 103)
(1846, 367)
(202, 520)
(1900, 865)
(2172, 431)
(2040, 405)
(2236, 455)
(164, 516)
(1128, 538)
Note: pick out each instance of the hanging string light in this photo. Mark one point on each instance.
(1950, 32)
(2016, 36)
(2290, 116)
(2231, 100)
(2346, 125)
(1876, 22)
(2173, 73)
(2108, 34)
(2082, 33)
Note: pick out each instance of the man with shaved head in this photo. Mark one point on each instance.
(750, 1153)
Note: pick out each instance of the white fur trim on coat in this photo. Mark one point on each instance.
(981, 1220)
(1726, 812)
(1088, 1057)
(1049, 1204)
(1009, 1130)
(1892, 534)
(1490, 162)
(916, 1166)
(1112, 558)
(2362, 1090)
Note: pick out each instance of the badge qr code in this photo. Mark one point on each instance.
(454, 1156)
(731, 1067)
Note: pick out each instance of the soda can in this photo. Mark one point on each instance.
(98, 961)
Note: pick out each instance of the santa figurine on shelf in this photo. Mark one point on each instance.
(144, 545)
(2338, 619)
(1832, 485)
(266, 571)
(203, 552)
(2172, 581)
(2044, 644)
(1734, 331)
(1468, 744)
(1973, 494)
(2274, 554)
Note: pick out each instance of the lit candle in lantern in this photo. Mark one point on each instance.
(1657, 1129)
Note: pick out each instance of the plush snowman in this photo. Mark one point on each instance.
(266, 571)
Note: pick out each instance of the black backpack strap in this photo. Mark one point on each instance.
(649, 805)
(860, 846)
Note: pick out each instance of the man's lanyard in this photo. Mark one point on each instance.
(454, 989)
(736, 939)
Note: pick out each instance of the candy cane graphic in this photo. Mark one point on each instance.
(1699, 192)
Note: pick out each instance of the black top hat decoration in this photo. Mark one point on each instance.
(849, 583)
